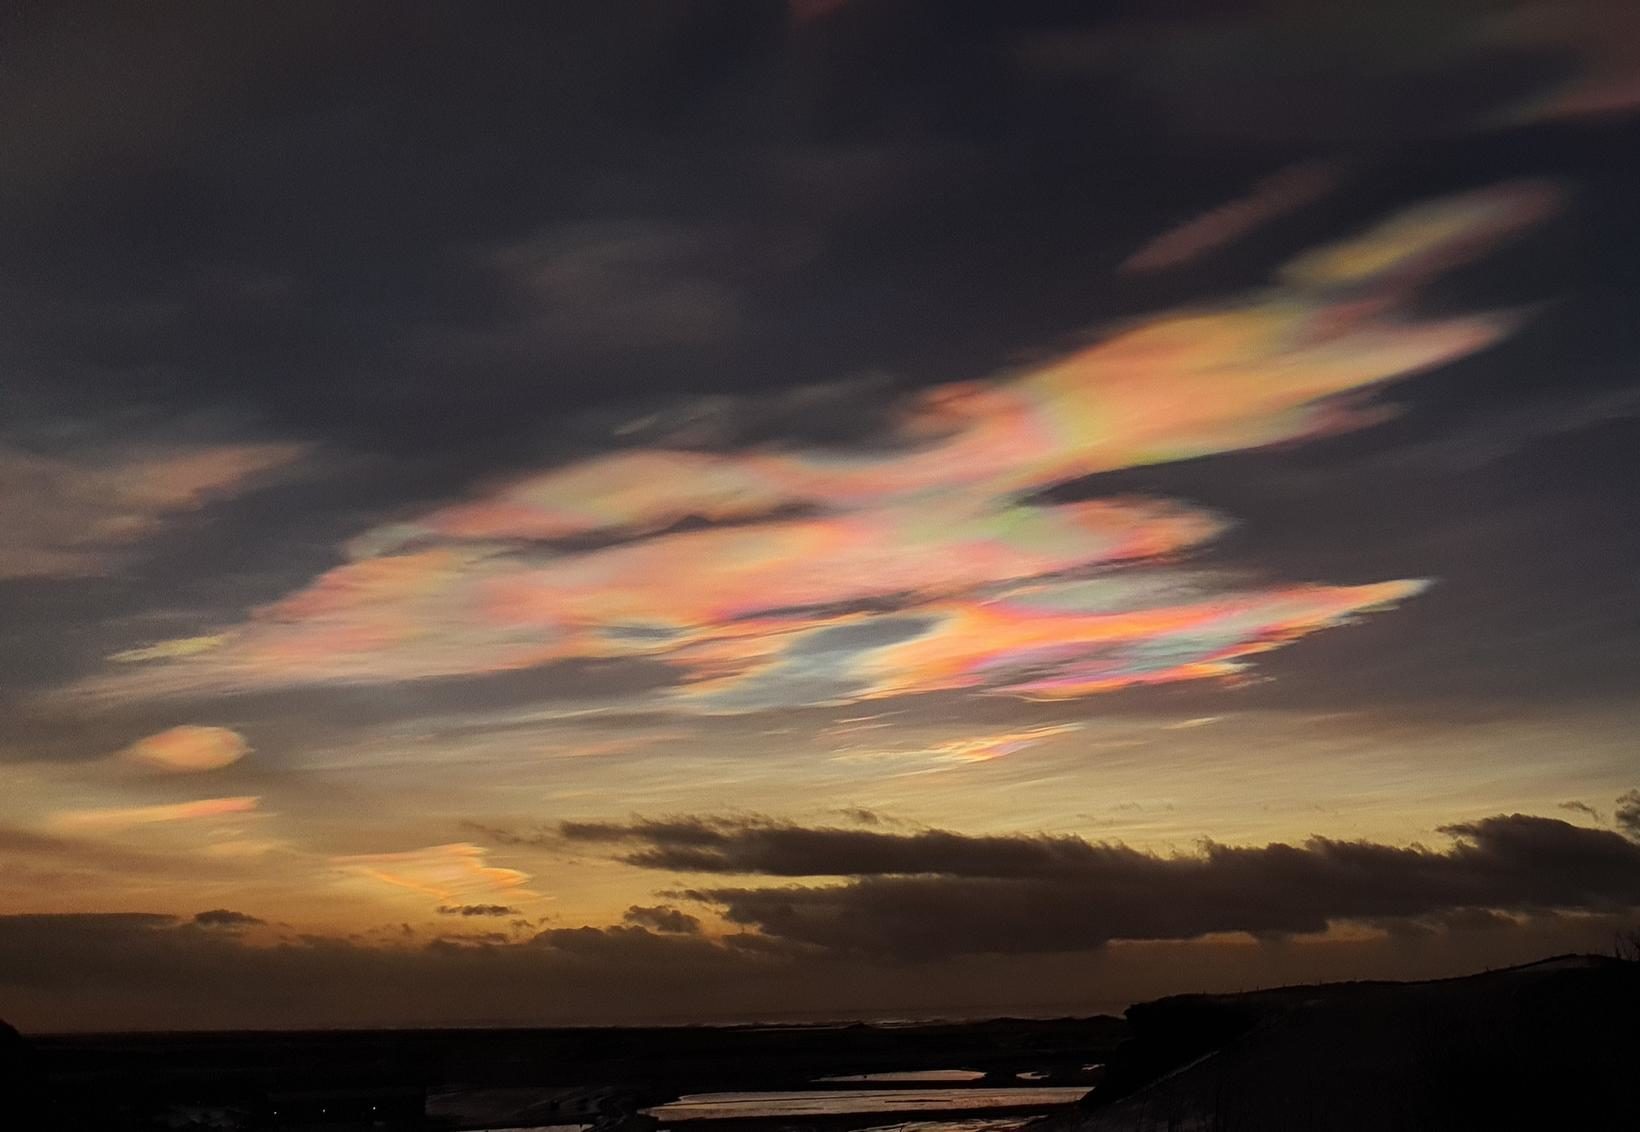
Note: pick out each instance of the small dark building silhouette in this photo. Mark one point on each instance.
(19, 1076)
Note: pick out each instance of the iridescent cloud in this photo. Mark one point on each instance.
(124, 817)
(983, 748)
(1035, 650)
(1600, 37)
(444, 873)
(1274, 196)
(66, 516)
(927, 560)
(188, 749)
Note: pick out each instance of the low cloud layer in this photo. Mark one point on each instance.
(939, 893)
(150, 971)
(662, 918)
(1627, 814)
(226, 918)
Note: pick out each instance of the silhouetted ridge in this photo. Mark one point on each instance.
(1550, 1044)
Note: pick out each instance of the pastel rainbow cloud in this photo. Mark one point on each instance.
(440, 872)
(115, 818)
(188, 749)
(1041, 653)
(925, 561)
(984, 748)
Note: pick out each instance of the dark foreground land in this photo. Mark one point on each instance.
(1549, 1046)
(431, 1079)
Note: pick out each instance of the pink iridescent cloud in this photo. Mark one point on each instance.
(796, 575)
(1285, 191)
(439, 872)
(188, 749)
(115, 818)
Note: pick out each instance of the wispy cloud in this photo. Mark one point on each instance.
(67, 516)
(124, 817)
(1274, 196)
(450, 874)
(926, 560)
(1601, 38)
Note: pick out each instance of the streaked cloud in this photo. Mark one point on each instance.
(69, 515)
(1324, 73)
(983, 748)
(1601, 37)
(1276, 195)
(114, 818)
(168, 650)
(450, 874)
(923, 559)
(189, 749)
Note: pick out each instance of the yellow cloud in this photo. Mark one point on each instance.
(170, 650)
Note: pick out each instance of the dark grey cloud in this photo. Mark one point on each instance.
(225, 918)
(1627, 813)
(476, 910)
(663, 918)
(937, 893)
(1253, 73)
(1584, 808)
(761, 845)
(142, 971)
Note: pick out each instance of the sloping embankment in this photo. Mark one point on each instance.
(1552, 1045)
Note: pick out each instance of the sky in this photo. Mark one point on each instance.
(703, 511)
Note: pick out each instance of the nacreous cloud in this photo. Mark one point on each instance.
(927, 560)
(65, 516)
(187, 750)
(447, 874)
(124, 817)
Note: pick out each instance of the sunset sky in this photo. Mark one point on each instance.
(706, 511)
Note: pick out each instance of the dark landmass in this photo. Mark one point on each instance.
(1550, 1045)
(514, 1077)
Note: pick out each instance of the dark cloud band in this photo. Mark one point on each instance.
(939, 893)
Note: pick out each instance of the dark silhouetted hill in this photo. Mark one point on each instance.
(19, 1076)
(1549, 1045)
